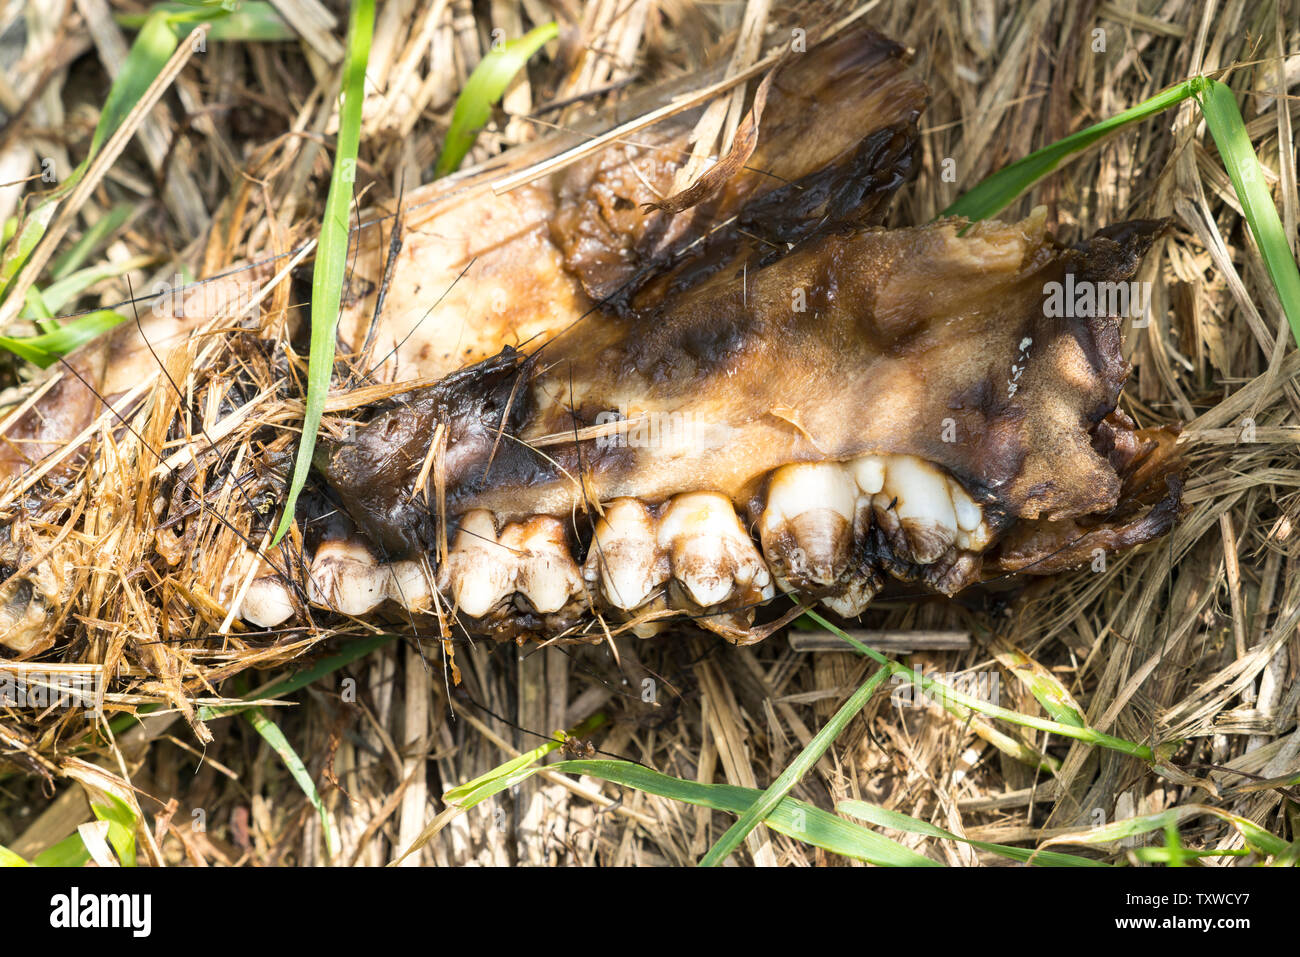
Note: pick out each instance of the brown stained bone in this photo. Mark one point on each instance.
(922, 342)
(110, 366)
(835, 141)
(913, 341)
(478, 271)
(775, 323)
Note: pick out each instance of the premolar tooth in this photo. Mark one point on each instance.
(973, 533)
(346, 577)
(410, 585)
(709, 551)
(625, 555)
(479, 571)
(547, 575)
(267, 603)
(869, 472)
(807, 523)
(856, 591)
(915, 502)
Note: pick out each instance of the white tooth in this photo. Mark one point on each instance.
(969, 515)
(919, 493)
(410, 585)
(479, 571)
(709, 550)
(345, 577)
(625, 555)
(267, 603)
(977, 540)
(869, 472)
(973, 533)
(548, 576)
(807, 522)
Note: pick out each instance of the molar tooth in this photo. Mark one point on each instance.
(856, 592)
(625, 556)
(345, 577)
(922, 516)
(410, 585)
(969, 515)
(869, 472)
(807, 525)
(548, 577)
(267, 603)
(479, 571)
(709, 551)
(973, 533)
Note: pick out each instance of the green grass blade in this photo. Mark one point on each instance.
(153, 47)
(788, 778)
(485, 86)
(253, 21)
(60, 292)
(69, 852)
(47, 348)
(149, 53)
(90, 240)
(1090, 735)
(122, 823)
(796, 819)
(9, 859)
(352, 651)
(1229, 131)
(882, 817)
(1042, 684)
(270, 731)
(332, 248)
(474, 792)
(996, 192)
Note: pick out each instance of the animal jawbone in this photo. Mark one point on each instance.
(931, 431)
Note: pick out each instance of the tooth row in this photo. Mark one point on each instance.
(825, 528)
(530, 559)
(694, 544)
(816, 521)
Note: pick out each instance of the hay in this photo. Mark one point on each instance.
(1193, 638)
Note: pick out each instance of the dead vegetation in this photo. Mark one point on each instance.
(1194, 638)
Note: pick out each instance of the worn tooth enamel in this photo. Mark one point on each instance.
(953, 573)
(547, 576)
(346, 577)
(410, 585)
(859, 584)
(917, 495)
(479, 571)
(969, 515)
(709, 550)
(267, 603)
(807, 524)
(625, 556)
(869, 473)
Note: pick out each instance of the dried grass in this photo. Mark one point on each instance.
(1193, 638)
